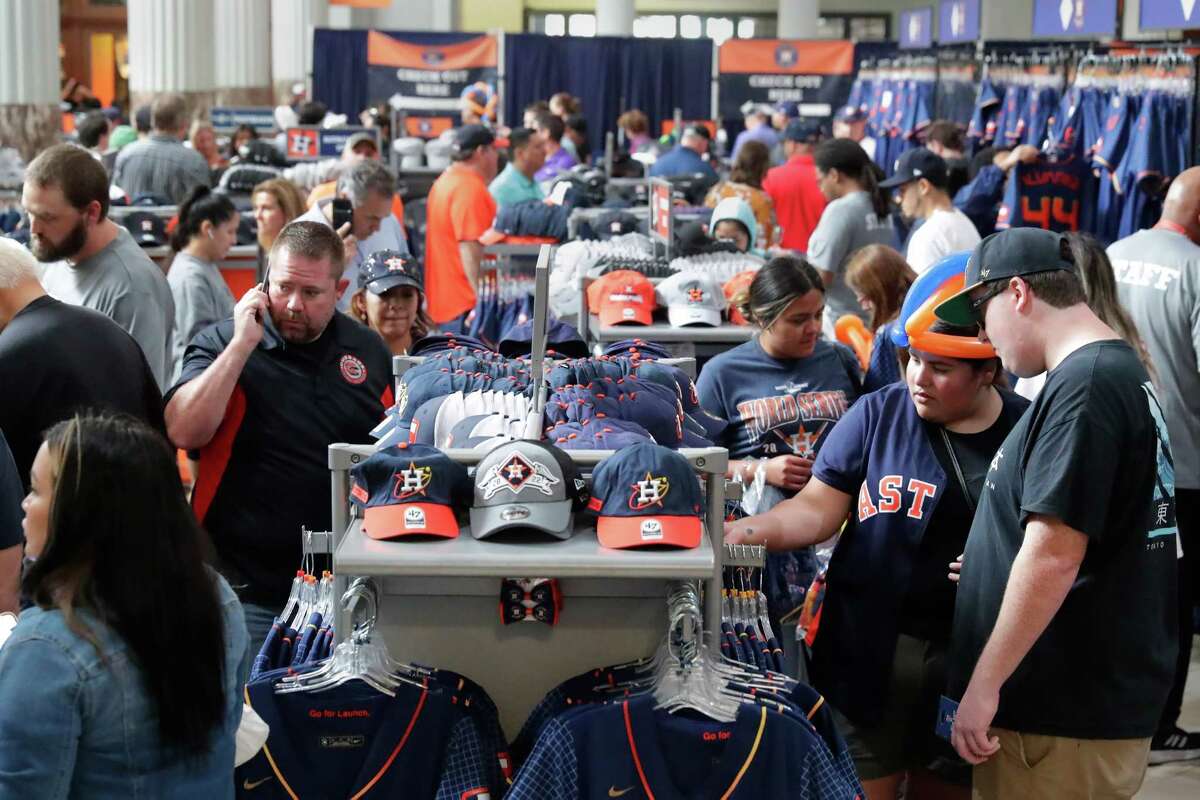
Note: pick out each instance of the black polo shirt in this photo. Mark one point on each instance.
(266, 471)
(58, 360)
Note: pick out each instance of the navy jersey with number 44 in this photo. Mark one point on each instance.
(1048, 194)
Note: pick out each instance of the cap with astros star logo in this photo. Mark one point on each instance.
(386, 269)
(526, 485)
(407, 490)
(692, 298)
(647, 495)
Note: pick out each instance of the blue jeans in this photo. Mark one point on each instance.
(258, 622)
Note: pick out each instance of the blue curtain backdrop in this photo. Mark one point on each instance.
(608, 74)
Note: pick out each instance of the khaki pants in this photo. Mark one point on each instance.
(1033, 767)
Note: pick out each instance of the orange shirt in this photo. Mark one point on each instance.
(798, 200)
(459, 209)
(327, 189)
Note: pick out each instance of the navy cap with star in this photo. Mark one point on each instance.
(387, 269)
(409, 489)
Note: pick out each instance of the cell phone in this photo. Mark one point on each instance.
(343, 212)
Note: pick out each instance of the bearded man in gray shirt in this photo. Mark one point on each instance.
(91, 261)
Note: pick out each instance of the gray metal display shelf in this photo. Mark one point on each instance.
(439, 602)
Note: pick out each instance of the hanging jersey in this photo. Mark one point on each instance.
(1034, 121)
(1048, 194)
(1065, 127)
(982, 127)
(631, 750)
(351, 741)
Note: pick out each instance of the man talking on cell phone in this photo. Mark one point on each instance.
(369, 187)
(261, 396)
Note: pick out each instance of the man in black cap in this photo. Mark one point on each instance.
(793, 185)
(457, 213)
(922, 179)
(1065, 624)
(687, 158)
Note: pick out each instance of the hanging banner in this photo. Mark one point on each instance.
(815, 74)
(427, 80)
(1058, 18)
(916, 29)
(310, 144)
(958, 21)
(1168, 14)
(228, 119)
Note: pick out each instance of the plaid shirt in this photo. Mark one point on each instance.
(160, 165)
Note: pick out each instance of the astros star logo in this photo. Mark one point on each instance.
(649, 491)
(395, 264)
(695, 295)
(412, 481)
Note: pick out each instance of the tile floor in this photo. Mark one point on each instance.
(1179, 781)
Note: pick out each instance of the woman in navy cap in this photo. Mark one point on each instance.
(389, 299)
(907, 465)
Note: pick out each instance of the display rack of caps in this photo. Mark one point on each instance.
(643, 495)
(690, 299)
(467, 397)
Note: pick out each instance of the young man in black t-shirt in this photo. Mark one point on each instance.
(1065, 627)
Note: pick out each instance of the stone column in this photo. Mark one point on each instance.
(798, 19)
(30, 119)
(292, 22)
(614, 17)
(243, 53)
(171, 50)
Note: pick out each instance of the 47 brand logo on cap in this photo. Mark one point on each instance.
(515, 473)
(412, 481)
(649, 492)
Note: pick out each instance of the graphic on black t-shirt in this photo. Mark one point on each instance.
(1162, 510)
(763, 416)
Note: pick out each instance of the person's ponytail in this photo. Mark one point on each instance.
(870, 184)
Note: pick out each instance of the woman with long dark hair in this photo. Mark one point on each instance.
(123, 678)
(858, 214)
(906, 465)
(207, 229)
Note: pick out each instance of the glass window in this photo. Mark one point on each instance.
(745, 28)
(869, 29)
(718, 29)
(555, 25)
(831, 28)
(655, 26)
(690, 26)
(582, 25)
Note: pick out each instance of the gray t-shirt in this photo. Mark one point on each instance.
(847, 225)
(123, 284)
(201, 297)
(390, 236)
(1158, 283)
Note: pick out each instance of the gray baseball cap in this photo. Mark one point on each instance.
(526, 485)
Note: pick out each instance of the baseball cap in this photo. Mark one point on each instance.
(359, 138)
(469, 137)
(598, 433)
(528, 485)
(623, 297)
(148, 230)
(850, 114)
(917, 163)
(577, 404)
(647, 495)
(710, 425)
(560, 337)
(414, 391)
(802, 129)
(789, 108)
(733, 287)
(642, 347)
(387, 269)
(692, 298)
(409, 489)
(434, 343)
(422, 429)
(1007, 254)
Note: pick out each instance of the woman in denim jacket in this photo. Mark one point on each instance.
(123, 678)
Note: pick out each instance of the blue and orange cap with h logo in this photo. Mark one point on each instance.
(647, 495)
(409, 489)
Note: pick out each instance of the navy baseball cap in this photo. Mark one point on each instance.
(578, 403)
(802, 129)
(440, 342)
(1006, 254)
(387, 269)
(407, 490)
(527, 485)
(147, 229)
(598, 433)
(645, 348)
(850, 114)
(645, 495)
(414, 392)
(469, 137)
(711, 425)
(422, 428)
(560, 337)
(789, 108)
(918, 163)
(645, 406)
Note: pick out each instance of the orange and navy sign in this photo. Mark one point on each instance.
(814, 74)
(429, 80)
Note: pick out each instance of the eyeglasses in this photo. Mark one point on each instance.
(977, 304)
